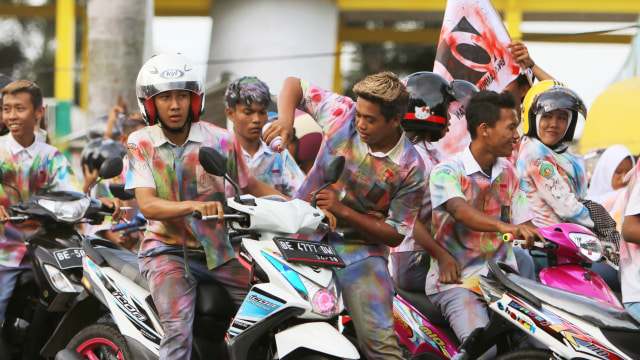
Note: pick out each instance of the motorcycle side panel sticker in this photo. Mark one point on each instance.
(256, 306)
(532, 319)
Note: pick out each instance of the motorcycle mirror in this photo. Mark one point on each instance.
(334, 170)
(212, 161)
(110, 168)
(332, 173)
(118, 191)
(216, 164)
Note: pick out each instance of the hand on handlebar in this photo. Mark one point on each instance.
(112, 204)
(4, 215)
(330, 219)
(210, 208)
(524, 231)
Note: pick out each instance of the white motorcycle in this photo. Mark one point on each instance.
(290, 312)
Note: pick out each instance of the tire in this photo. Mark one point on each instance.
(100, 341)
(529, 354)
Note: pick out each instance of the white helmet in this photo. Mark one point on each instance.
(167, 72)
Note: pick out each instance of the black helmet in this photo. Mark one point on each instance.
(554, 98)
(98, 150)
(430, 95)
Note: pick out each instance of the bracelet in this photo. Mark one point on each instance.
(532, 64)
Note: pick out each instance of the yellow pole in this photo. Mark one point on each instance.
(337, 73)
(513, 17)
(64, 64)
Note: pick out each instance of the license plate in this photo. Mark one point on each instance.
(309, 252)
(69, 258)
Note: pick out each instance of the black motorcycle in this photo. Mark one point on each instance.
(43, 294)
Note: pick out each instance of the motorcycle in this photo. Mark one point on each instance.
(293, 297)
(570, 250)
(44, 293)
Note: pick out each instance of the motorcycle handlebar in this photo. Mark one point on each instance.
(508, 237)
(198, 215)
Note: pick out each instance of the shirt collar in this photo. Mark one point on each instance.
(263, 149)
(471, 166)
(394, 154)
(158, 137)
(16, 148)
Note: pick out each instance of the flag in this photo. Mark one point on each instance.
(473, 47)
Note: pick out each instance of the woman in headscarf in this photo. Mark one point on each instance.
(608, 183)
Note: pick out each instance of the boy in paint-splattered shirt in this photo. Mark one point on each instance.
(32, 166)
(476, 198)
(246, 102)
(377, 198)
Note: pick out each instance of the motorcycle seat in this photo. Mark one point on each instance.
(124, 262)
(423, 304)
(590, 309)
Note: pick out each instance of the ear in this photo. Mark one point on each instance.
(39, 113)
(395, 120)
(482, 129)
(229, 112)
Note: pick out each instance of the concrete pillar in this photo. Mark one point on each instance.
(117, 32)
(273, 39)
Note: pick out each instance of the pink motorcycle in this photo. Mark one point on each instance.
(570, 250)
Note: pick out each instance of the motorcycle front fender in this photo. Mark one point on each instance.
(332, 342)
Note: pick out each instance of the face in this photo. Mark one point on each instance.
(503, 137)
(248, 120)
(173, 107)
(374, 129)
(553, 125)
(19, 115)
(623, 168)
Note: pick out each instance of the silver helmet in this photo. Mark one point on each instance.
(167, 72)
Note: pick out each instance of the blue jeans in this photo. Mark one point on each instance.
(633, 309)
(368, 294)
(175, 295)
(8, 278)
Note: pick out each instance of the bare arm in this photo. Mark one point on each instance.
(371, 227)
(288, 99)
(449, 267)
(475, 220)
(631, 229)
(155, 208)
(257, 188)
(521, 55)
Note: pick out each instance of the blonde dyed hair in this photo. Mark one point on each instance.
(386, 90)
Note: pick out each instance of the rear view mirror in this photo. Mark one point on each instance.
(110, 168)
(334, 170)
(212, 161)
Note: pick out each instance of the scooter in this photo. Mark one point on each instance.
(290, 311)
(570, 250)
(44, 293)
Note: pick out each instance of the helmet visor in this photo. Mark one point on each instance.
(461, 90)
(151, 90)
(559, 99)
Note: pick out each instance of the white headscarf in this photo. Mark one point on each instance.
(600, 189)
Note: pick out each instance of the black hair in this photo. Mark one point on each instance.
(484, 107)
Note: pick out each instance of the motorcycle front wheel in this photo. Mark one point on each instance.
(102, 342)
(528, 354)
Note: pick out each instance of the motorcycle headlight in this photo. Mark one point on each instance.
(323, 300)
(589, 245)
(67, 211)
(60, 281)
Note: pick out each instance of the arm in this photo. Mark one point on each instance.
(521, 55)
(449, 267)
(631, 229)
(475, 220)
(155, 208)
(373, 228)
(557, 194)
(288, 99)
